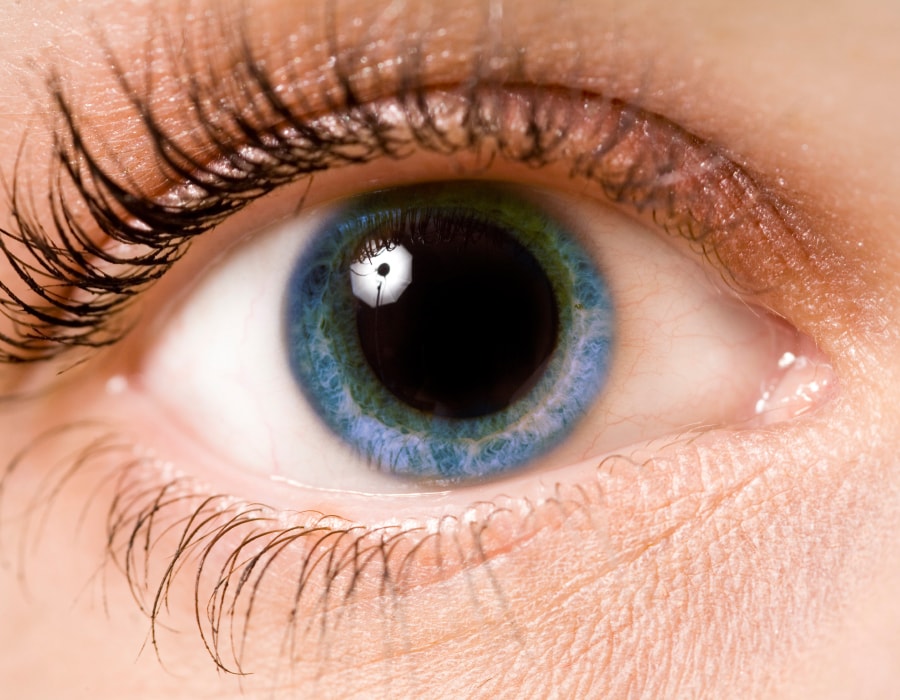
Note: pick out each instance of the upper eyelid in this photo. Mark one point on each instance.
(249, 149)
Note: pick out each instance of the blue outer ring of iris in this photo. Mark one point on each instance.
(330, 368)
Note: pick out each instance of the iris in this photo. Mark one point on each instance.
(449, 331)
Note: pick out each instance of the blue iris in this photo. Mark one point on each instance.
(417, 439)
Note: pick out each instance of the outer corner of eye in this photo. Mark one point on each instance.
(453, 332)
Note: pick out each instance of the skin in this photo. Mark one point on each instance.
(752, 563)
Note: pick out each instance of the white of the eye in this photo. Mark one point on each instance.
(382, 278)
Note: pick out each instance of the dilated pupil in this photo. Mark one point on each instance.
(475, 327)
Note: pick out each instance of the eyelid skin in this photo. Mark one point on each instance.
(689, 544)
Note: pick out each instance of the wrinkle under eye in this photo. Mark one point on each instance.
(487, 358)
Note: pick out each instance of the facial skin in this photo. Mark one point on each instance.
(751, 561)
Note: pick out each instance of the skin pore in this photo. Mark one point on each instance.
(757, 561)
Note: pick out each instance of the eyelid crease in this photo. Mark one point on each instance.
(109, 239)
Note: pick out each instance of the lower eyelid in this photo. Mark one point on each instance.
(324, 573)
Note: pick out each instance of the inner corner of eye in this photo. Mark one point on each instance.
(448, 332)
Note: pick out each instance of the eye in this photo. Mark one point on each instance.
(275, 364)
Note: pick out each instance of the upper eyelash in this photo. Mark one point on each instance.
(79, 283)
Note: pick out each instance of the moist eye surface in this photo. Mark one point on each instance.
(447, 331)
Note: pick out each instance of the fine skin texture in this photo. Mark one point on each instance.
(711, 557)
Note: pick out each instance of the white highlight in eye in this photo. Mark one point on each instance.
(803, 379)
(382, 278)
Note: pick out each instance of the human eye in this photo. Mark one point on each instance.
(233, 508)
(288, 332)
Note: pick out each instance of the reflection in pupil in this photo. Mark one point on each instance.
(474, 329)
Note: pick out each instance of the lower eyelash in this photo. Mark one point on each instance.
(165, 535)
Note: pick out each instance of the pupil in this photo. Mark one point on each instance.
(473, 330)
